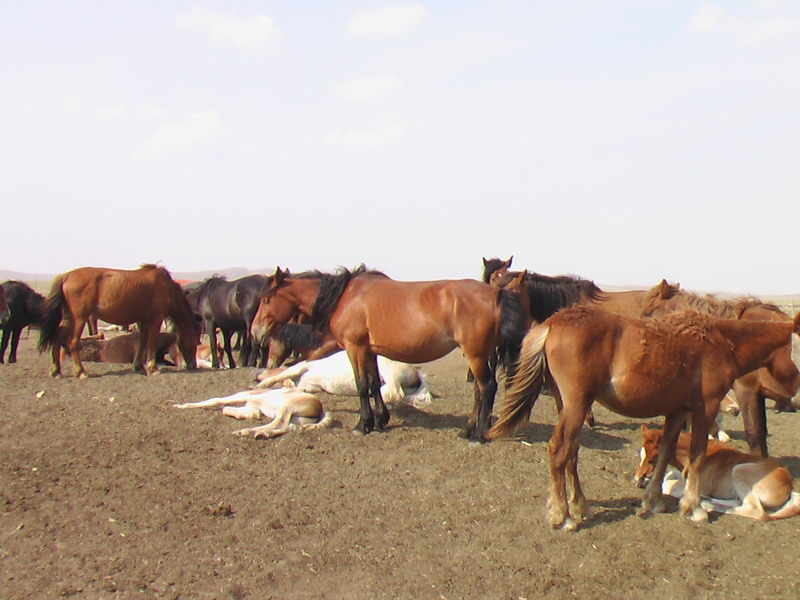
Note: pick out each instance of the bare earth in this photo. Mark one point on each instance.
(107, 491)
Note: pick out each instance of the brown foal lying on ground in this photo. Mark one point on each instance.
(754, 484)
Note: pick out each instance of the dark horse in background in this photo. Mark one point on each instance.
(26, 308)
(231, 306)
(145, 296)
(415, 322)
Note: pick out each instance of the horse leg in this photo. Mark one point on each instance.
(358, 359)
(653, 502)
(3, 346)
(754, 418)
(211, 332)
(73, 344)
(12, 354)
(485, 388)
(381, 412)
(226, 342)
(148, 340)
(563, 450)
(689, 504)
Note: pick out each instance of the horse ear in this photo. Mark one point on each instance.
(644, 428)
(507, 264)
(485, 263)
(279, 276)
(520, 279)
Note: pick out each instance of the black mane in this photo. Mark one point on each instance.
(331, 288)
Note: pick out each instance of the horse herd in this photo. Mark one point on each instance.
(657, 352)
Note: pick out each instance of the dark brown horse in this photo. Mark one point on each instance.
(414, 322)
(27, 308)
(145, 296)
(779, 379)
(639, 368)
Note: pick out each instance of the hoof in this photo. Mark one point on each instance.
(699, 515)
(569, 524)
(358, 432)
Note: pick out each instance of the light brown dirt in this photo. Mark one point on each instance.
(109, 492)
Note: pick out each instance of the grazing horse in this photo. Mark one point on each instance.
(734, 482)
(27, 308)
(4, 310)
(414, 322)
(231, 306)
(289, 410)
(639, 368)
(779, 379)
(145, 296)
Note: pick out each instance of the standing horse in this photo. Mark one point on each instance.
(27, 308)
(231, 306)
(413, 322)
(639, 368)
(145, 296)
(779, 379)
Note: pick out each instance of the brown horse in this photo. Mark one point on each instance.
(414, 322)
(639, 368)
(779, 379)
(145, 296)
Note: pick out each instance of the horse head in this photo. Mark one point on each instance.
(651, 438)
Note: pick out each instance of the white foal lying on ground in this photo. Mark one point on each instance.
(289, 410)
(334, 374)
(730, 481)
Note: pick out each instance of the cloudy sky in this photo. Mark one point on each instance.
(623, 141)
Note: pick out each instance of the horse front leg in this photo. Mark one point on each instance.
(653, 502)
(689, 504)
(226, 342)
(366, 419)
(12, 353)
(381, 412)
(485, 389)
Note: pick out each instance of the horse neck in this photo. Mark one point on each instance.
(754, 341)
(303, 294)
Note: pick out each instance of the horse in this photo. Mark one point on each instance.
(641, 368)
(414, 322)
(145, 296)
(118, 349)
(26, 308)
(5, 313)
(734, 482)
(289, 409)
(779, 379)
(334, 375)
(231, 306)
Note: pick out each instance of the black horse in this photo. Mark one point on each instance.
(26, 308)
(231, 306)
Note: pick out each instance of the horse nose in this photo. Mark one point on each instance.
(641, 481)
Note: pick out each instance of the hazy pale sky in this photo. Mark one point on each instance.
(623, 141)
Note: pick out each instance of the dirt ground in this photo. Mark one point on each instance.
(107, 491)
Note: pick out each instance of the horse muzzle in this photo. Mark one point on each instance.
(641, 481)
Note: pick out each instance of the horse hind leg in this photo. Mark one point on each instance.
(563, 450)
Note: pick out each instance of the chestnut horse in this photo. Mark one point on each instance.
(639, 368)
(145, 296)
(413, 322)
(779, 379)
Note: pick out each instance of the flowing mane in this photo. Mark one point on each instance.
(708, 304)
(331, 288)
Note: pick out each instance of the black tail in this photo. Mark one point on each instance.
(512, 331)
(53, 313)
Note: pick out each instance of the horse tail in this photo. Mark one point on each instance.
(790, 509)
(512, 330)
(54, 312)
(525, 387)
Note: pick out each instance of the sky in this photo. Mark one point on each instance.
(624, 141)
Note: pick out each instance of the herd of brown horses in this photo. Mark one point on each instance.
(657, 352)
